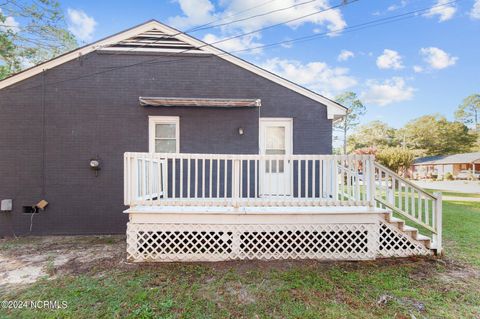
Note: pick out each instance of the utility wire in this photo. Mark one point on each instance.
(343, 3)
(357, 27)
(202, 27)
(254, 16)
(353, 28)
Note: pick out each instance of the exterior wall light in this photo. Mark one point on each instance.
(95, 165)
(240, 131)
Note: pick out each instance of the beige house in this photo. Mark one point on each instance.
(427, 167)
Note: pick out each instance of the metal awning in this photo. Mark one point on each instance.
(200, 102)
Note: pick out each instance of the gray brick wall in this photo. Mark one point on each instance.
(100, 116)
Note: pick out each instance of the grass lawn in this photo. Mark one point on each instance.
(454, 194)
(402, 288)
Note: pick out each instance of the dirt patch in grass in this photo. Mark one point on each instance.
(25, 261)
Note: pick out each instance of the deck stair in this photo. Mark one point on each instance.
(410, 203)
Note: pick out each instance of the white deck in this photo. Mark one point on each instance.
(210, 207)
(249, 210)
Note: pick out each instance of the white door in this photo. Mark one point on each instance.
(275, 139)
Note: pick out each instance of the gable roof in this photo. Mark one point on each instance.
(465, 158)
(154, 36)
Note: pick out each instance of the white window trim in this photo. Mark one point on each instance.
(153, 120)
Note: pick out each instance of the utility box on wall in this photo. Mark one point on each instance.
(6, 205)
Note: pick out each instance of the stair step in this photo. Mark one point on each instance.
(409, 228)
(396, 220)
(413, 232)
(422, 237)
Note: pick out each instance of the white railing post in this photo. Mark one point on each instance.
(134, 178)
(437, 238)
(126, 180)
(236, 183)
(371, 180)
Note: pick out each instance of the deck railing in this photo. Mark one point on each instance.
(248, 180)
(410, 202)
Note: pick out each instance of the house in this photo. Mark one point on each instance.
(426, 167)
(209, 157)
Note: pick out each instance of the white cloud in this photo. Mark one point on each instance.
(287, 45)
(390, 91)
(195, 12)
(198, 12)
(417, 69)
(397, 6)
(241, 44)
(318, 76)
(345, 55)
(10, 24)
(444, 9)
(437, 58)
(80, 24)
(390, 59)
(475, 12)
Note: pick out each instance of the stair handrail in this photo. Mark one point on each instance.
(413, 203)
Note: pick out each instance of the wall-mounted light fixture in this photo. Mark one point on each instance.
(241, 131)
(95, 165)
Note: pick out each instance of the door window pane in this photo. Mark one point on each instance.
(274, 152)
(275, 137)
(275, 145)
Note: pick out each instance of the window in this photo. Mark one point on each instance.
(164, 136)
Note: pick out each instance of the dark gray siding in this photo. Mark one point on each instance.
(100, 116)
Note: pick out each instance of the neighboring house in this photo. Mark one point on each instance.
(426, 167)
(210, 157)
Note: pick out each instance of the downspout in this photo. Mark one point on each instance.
(44, 136)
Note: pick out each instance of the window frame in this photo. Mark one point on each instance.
(153, 121)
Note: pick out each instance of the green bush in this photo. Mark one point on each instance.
(395, 158)
(449, 176)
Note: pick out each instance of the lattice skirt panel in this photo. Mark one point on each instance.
(394, 243)
(201, 242)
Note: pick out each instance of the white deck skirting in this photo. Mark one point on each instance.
(173, 233)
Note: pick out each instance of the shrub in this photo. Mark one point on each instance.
(395, 158)
(449, 176)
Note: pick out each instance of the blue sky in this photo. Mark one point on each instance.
(422, 65)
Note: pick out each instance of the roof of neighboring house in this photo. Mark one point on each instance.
(465, 158)
(153, 36)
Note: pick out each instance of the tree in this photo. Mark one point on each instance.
(468, 112)
(375, 134)
(395, 158)
(434, 135)
(39, 34)
(351, 120)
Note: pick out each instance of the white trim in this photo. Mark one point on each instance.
(334, 110)
(153, 120)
